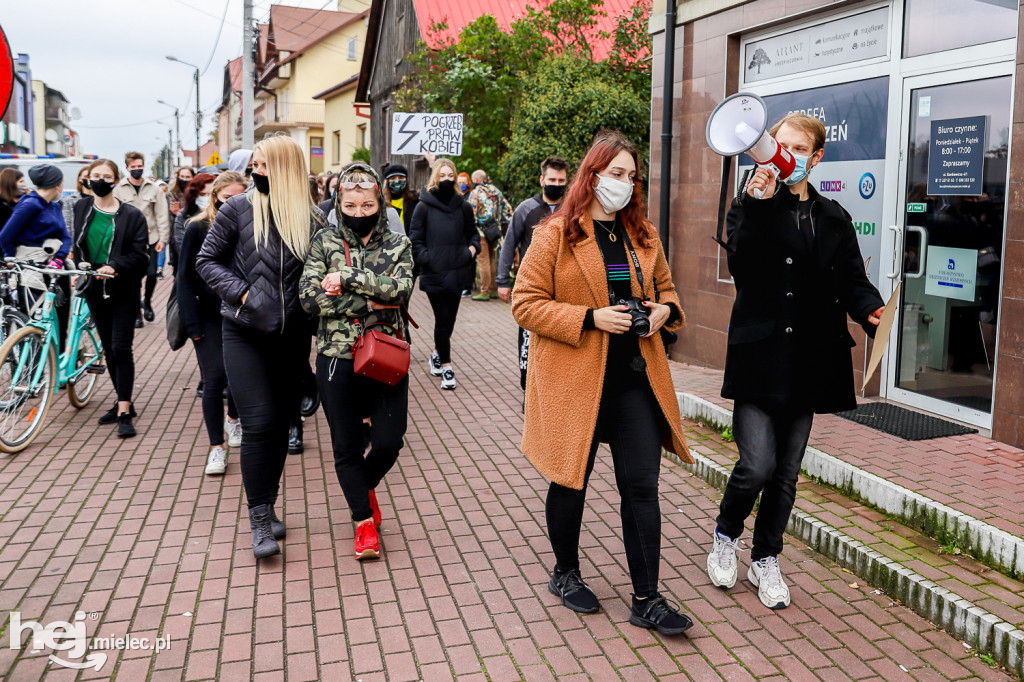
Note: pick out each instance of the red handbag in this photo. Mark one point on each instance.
(376, 355)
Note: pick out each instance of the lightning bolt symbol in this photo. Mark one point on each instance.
(402, 131)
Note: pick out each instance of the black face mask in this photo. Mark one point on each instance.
(183, 183)
(261, 183)
(446, 188)
(217, 203)
(101, 188)
(362, 225)
(554, 192)
(137, 173)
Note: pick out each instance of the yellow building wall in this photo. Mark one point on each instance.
(344, 130)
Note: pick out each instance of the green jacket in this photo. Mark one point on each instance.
(381, 271)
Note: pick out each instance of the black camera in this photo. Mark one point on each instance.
(639, 324)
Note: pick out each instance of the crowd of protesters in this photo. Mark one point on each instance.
(267, 257)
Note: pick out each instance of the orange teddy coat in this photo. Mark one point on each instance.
(556, 285)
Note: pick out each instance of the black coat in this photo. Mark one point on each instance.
(788, 341)
(232, 265)
(441, 235)
(196, 300)
(129, 249)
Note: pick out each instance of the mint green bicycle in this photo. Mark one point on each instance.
(32, 368)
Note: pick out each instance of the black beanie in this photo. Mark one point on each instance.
(395, 169)
(45, 176)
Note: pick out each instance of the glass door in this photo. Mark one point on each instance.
(949, 228)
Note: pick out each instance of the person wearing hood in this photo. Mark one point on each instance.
(240, 161)
(445, 243)
(253, 257)
(358, 274)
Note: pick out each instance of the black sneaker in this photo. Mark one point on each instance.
(147, 312)
(295, 446)
(656, 613)
(138, 320)
(124, 425)
(110, 416)
(575, 593)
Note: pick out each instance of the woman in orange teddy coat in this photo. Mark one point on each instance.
(594, 291)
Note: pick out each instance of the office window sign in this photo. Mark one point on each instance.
(852, 171)
(956, 156)
(842, 41)
(951, 273)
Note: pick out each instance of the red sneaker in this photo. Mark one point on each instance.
(375, 507)
(367, 542)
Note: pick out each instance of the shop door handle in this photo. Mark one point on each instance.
(923, 258)
(897, 260)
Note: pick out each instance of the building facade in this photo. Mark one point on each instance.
(17, 128)
(346, 125)
(917, 97)
(53, 132)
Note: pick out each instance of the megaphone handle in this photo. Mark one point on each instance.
(759, 193)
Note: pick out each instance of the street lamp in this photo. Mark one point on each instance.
(177, 132)
(199, 112)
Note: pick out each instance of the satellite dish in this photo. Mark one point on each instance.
(51, 135)
(76, 113)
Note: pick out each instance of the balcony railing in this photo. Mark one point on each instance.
(283, 114)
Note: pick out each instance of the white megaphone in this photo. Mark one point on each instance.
(740, 124)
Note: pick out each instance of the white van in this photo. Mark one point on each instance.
(70, 167)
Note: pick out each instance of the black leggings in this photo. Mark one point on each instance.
(115, 323)
(632, 427)
(261, 370)
(348, 398)
(446, 309)
(210, 355)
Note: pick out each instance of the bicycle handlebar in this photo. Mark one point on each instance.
(22, 265)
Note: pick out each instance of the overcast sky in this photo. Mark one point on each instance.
(109, 58)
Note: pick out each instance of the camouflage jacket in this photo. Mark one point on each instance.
(381, 271)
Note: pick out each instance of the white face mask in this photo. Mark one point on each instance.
(613, 195)
(202, 203)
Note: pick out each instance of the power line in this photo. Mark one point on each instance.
(126, 125)
(216, 41)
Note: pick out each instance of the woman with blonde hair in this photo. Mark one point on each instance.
(200, 313)
(252, 258)
(444, 245)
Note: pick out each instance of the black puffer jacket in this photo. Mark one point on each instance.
(230, 262)
(441, 235)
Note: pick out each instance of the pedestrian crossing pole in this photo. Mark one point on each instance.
(248, 80)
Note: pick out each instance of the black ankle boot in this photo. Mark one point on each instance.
(295, 440)
(263, 542)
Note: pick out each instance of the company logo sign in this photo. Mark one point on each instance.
(867, 185)
(832, 186)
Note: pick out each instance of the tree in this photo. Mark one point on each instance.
(564, 106)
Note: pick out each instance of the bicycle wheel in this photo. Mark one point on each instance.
(89, 352)
(13, 320)
(25, 401)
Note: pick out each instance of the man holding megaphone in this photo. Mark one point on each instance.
(794, 257)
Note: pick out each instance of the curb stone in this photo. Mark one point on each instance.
(981, 540)
(961, 618)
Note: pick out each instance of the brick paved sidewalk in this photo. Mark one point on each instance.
(135, 533)
(972, 474)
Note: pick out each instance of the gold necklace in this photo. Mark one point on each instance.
(611, 232)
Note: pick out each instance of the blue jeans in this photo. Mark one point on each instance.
(771, 444)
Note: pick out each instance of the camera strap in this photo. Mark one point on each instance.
(636, 261)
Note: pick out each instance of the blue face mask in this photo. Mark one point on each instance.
(463, 187)
(800, 171)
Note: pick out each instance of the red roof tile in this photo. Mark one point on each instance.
(295, 28)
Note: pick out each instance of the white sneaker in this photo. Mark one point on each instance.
(766, 576)
(234, 431)
(435, 365)
(723, 566)
(217, 462)
(448, 379)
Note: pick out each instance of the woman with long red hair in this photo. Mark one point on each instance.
(594, 291)
(194, 200)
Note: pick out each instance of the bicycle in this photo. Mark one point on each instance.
(32, 370)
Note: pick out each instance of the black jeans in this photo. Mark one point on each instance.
(446, 309)
(210, 355)
(347, 399)
(261, 370)
(151, 275)
(771, 444)
(115, 323)
(633, 423)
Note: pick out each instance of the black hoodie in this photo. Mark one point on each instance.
(441, 234)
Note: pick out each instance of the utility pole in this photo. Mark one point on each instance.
(248, 80)
(176, 151)
(199, 120)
